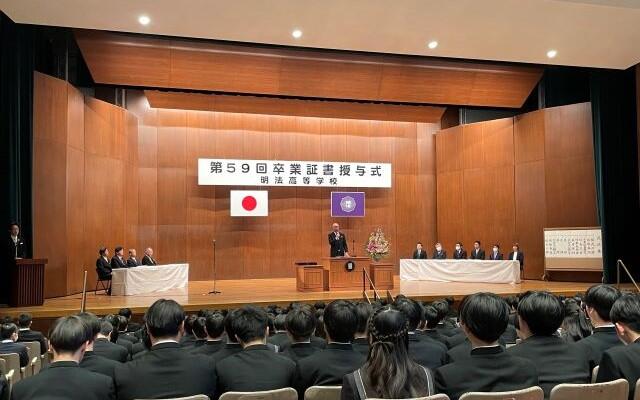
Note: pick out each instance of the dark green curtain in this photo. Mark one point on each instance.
(613, 102)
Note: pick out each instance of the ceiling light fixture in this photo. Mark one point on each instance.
(144, 20)
(297, 33)
(432, 44)
(552, 53)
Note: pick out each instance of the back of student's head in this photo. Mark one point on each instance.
(114, 320)
(106, 328)
(125, 312)
(215, 324)
(164, 318)
(199, 328)
(512, 301)
(432, 317)
(250, 323)
(123, 322)
(300, 323)
(24, 320)
(7, 330)
(391, 371)
(363, 312)
(340, 321)
(442, 306)
(485, 316)
(92, 321)
(542, 311)
(601, 298)
(188, 323)
(626, 310)
(69, 334)
(279, 321)
(228, 326)
(412, 309)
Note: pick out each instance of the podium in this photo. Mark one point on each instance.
(27, 284)
(341, 278)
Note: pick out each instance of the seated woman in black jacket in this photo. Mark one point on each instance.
(389, 373)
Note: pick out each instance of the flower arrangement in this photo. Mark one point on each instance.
(377, 246)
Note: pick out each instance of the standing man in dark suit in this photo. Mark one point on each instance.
(8, 338)
(26, 334)
(495, 253)
(517, 255)
(132, 261)
(148, 257)
(15, 243)
(599, 300)
(419, 253)
(256, 367)
(14, 248)
(624, 361)
(540, 314)
(440, 253)
(300, 324)
(91, 361)
(459, 253)
(64, 379)
(484, 317)
(329, 366)
(338, 242)
(117, 261)
(104, 347)
(477, 253)
(166, 370)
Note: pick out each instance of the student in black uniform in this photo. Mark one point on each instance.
(214, 323)
(26, 334)
(91, 361)
(424, 350)
(300, 324)
(361, 339)
(279, 337)
(232, 346)
(104, 347)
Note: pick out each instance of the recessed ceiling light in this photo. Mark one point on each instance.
(552, 53)
(144, 20)
(432, 44)
(297, 33)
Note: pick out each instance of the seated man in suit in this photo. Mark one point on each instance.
(8, 338)
(477, 253)
(419, 253)
(26, 334)
(148, 257)
(214, 324)
(495, 253)
(517, 255)
(123, 331)
(256, 367)
(484, 317)
(361, 340)
(117, 261)
(91, 361)
(460, 253)
(132, 261)
(167, 370)
(624, 361)
(540, 314)
(599, 300)
(131, 326)
(64, 379)
(232, 346)
(330, 365)
(424, 350)
(279, 337)
(103, 265)
(300, 324)
(103, 346)
(440, 253)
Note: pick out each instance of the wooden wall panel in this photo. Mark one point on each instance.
(531, 213)
(450, 211)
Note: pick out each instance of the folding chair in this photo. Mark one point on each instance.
(615, 390)
(101, 282)
(278, 394)
(323, 393)
(532, 393)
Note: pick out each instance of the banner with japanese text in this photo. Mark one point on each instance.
(229, 172)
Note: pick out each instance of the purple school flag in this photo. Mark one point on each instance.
(347, 204)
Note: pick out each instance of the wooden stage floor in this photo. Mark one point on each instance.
(280, 291)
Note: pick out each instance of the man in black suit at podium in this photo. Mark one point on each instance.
(419, 253)
(338, 242)
(14, 248)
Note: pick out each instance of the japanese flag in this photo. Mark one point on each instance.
(249, 203)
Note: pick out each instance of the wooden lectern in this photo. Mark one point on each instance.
(27, 285)
(340, 278)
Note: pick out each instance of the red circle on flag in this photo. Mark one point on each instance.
(249, 203)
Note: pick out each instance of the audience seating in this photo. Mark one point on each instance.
(323, 393)
(194, 397)
(594, 374)
(636, 394)
(13, 363)
(532, 393)
(8, 373)
(615, 390)
(33, 348)
(278, 394)
(434, 397)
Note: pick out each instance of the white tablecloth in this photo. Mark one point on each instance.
(485, 271)
(149, 279)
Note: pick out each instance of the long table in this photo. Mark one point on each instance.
(481, 271)
(149, 279)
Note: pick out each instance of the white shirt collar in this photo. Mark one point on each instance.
(165, 341)
(7, 341)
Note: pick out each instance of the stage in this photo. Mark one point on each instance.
(279, 291)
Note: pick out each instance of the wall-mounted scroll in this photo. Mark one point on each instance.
(228, 172)
(573, 249)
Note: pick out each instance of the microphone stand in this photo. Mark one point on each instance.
(214, 291)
